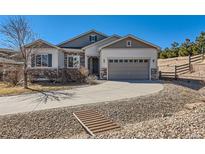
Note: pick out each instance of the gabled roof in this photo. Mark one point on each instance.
(7, 51)
(134, 37)
(98, 42)
(9, 61)
(41, 41)
(81, 36)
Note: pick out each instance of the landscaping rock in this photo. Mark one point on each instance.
(152, 116)
(194, 105)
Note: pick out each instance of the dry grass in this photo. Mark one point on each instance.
(167, 65)
(6, 89)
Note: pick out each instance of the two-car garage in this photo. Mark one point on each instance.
(128, 69)
(129, 58)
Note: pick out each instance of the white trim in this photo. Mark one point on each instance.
(107, 68)
(155, 46)
(78, 36)
(42, 41)
(71, 50)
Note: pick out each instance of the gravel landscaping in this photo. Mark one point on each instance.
(152, 116)
(185, 125)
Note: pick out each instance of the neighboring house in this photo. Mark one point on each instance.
(109, 57)
(6, 53)
(7, 60)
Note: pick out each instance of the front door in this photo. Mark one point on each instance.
(95, 67)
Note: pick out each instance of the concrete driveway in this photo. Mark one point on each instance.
(107, 91)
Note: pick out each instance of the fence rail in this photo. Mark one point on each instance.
(166, 75)
(181, 69)
(196, 58)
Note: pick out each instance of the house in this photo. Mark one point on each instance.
(6, 52)
(7, 61)
(109, 57)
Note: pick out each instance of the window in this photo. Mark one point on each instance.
(33, 60)
(131, 61)
(145, 61)
(45, 60)
(76, 61)
(136, 61)
(38, 60)
(110, 61)
(141, 60)
(116, 61)
(125, 60)
(72, 61)
(129, 43)
(121, 61)
(41, 60)
(93, 38)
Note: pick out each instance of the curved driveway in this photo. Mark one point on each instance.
(107, 91)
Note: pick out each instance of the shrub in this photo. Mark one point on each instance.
(84, 71)
(13, 75)
(91, 79)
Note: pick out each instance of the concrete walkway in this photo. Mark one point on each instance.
(107, 91)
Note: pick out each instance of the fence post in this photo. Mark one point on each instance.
(3, 75)
(175, 72)
(160, 74)
(189, 62)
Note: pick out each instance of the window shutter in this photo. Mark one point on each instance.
(49, 60)
(32, 60)
(65, 61)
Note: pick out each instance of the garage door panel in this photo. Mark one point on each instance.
(123, 71)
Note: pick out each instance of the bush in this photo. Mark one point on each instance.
(84, 71)
(13, 75)
(91, 79)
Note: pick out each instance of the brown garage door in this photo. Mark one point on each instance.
(128, 69)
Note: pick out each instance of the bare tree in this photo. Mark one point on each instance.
(17, 33)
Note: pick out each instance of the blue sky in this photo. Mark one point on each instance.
(160, 30)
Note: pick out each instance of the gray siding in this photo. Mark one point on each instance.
(82, 41)
(114, 38)
(135, 44)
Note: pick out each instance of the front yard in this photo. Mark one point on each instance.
(160, 115)
(6, 89)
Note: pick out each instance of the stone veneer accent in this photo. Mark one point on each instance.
(59, 75)
(154, 74)
(103, 73)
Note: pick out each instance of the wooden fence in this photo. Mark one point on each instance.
(181, 69)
